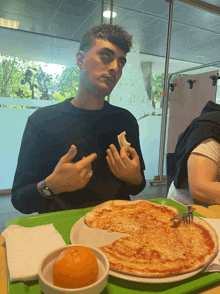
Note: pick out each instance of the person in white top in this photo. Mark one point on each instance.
(203, 185)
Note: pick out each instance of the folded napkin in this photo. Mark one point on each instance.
(214, 266)
(26, 247)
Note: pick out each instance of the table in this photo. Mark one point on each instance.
(61, 221)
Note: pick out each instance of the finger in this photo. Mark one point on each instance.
(112, 167)
(117, 158)
(124, 156)
(110, 157)
(70, 154)
(88, 160)
(133, 152)
(87, 173)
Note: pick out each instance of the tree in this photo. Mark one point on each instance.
(68, 83)
(37, 79)
(44, 81)
(12, 71)
(157, 86)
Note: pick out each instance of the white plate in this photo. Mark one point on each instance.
(83, 234)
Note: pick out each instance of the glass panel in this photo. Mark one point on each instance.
(194, 42)
(213, 2)
(136, 90)
(33, 74)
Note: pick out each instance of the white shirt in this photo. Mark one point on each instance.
(209, 148)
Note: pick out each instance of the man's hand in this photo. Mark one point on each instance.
(68, 176)
(123, 167)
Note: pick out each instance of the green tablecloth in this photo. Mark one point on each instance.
(63, 221)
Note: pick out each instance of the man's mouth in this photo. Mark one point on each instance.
(108, 79)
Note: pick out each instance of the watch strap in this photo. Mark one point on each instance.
(45, 191)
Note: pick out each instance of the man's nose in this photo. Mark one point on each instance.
(114, 66)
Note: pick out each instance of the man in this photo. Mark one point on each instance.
(70, 157)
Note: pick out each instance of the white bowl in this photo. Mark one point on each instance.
(46, 277)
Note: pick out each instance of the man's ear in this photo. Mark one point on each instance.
(80, 55)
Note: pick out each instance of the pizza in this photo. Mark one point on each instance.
(156, 247)
(123, 142)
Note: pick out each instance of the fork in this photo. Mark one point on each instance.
(185, 217)
(188, 217)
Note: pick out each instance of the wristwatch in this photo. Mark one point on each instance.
(45, 191)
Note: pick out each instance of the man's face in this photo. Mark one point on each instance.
(102, 66)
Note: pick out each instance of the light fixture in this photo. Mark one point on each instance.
(108, 14)
(9, 23)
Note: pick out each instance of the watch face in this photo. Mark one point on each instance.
(46, 192)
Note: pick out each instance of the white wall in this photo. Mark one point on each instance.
(12, 124)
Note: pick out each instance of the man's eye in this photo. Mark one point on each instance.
(105, 54)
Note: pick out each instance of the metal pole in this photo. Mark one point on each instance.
(165, 97)
(111, 12)
(111, 24)
(197, 67)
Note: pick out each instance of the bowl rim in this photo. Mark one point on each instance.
(40, 275)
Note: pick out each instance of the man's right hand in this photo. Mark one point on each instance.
(68, 176)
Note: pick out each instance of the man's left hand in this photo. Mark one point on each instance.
(122, 166)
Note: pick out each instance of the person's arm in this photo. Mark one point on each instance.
(25, 196)
(49, 184)
(135, 189)
(33, 167)
(202, 172)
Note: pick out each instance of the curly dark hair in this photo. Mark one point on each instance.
(113, 33)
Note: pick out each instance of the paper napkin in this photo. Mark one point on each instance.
(26, 247)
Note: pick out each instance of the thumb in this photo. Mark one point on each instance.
(70, 154)
(133, 153)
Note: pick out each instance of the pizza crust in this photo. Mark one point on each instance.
(92, 215)
(140, 236)
(123, 142)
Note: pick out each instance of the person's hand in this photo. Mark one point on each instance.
(122, 166)
(68, 176)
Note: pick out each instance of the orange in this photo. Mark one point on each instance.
(75, 267)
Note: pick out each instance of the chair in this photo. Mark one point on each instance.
(170, 170)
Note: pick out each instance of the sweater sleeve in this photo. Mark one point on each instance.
(25, 196)
(135, 189)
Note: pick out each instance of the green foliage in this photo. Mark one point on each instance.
(12, 70)
(68, 83)
(20, 78)
(157, 84)
(11, 73)
(38, 81)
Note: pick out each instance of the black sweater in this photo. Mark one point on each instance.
(207, 125)
(48, 135)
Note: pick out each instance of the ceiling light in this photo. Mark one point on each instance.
(108, 14)
(9, 23)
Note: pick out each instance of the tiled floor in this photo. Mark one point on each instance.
(8, 212)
